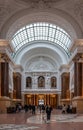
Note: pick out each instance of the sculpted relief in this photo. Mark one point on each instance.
(41, 82)
(53, 82)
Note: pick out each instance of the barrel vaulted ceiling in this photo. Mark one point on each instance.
(16, 14)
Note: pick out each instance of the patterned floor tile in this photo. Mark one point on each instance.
(16, 127)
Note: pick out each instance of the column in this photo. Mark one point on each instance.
(4, 75)
(63, 91)
(34, 99)
(4, 82)
(23, 99)
(4, 78)
(65, 94)
(77, 101)
(17, 85)
(75, 79)
(79, 84)
(65, 85)
(78, 67)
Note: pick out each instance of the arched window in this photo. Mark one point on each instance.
(42, 31)
(53, 82)
(41, 82)
(28, 82)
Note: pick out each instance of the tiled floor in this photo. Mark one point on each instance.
(27, 121)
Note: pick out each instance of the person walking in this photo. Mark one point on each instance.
(33, 109)
(48, 112)
(64, 109)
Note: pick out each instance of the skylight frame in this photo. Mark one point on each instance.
(41, 31)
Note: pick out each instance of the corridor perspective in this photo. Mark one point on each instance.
(41, 64)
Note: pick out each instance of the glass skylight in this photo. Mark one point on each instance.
(41, 32)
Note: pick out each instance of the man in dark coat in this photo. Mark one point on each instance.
(48, 112)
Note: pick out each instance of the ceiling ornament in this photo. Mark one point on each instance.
(3, 11)
(40, 4)
(78, 9)
(41, 65)
(37, 1)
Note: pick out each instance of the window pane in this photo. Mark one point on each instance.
(41, 31)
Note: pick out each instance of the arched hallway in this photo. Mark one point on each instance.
(41, 62)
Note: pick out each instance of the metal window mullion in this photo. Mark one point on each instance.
(33, 32)
(48, 31)
(24, 34)
(21, 36)
(27, 33)
(17, 40)
(55, 34)
(14, 39)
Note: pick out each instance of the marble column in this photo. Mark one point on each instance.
(4, 82)
(75, 79)
(17, 85)
(65, 85)
(79, 83)
(23, 99)
(5, 79)
(63, 91)
(78, 67)
(65, 97)
(77, 101)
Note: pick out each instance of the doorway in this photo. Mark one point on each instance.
(44, 99)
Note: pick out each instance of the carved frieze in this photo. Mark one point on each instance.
(76, 9)
(4, 58)
(40, 4)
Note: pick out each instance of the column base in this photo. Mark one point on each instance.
(4, 103)
(15, 101)
(78, 103)
(65, 101)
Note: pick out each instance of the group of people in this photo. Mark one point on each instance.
(67, 109)
(47, 109)
(42, 108)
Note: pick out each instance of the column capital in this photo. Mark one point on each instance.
(77, 49)
(78, 57)
(4, 57)
(5, 46)
(64, 68)
(18, 68)
(77, 44)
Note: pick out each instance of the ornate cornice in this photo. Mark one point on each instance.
(43, 91)
(77, 43)
(64, 68)
(4, 57)
(5, 46)
(18, 68)
(77, 50)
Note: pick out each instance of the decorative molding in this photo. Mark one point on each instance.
(39, 4)
(4, 57)
(64, 68)
(78, 9)
(18, 68)
(5, 45)
(43, 91)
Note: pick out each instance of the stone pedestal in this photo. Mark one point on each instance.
(16, 101)
(4, 103)
(78, 103)
(65, 101)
